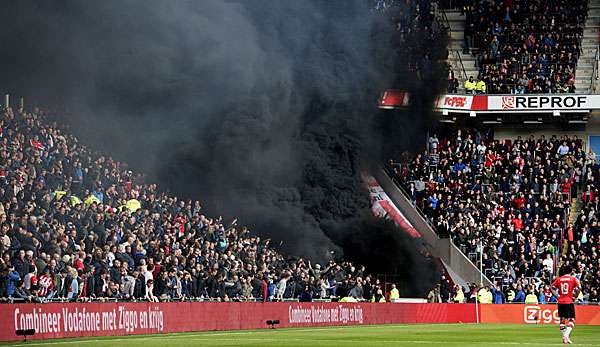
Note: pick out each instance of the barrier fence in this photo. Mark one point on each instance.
(60, 320)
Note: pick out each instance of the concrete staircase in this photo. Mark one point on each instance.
(455, 48)
(589, 43)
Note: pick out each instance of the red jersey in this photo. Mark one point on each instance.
(519, 202)
(565, 285)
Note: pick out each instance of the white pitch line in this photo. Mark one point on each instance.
(306, 340)
(211, 334)
(211, 337)
(186, 335)
(393, 341)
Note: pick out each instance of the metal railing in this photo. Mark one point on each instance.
(35, 299)
(594, 76)
(400, 187)
(461, 67)
(442, 19)
(451, 4)
(17, 301)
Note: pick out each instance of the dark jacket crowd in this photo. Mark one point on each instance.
(512, 202)
(525, 46)
(77, 225)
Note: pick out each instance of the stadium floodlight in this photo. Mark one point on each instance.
(577, 121)
(492, 122)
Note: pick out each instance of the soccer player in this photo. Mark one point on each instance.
(568, 287)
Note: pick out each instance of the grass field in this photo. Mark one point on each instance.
(380, 335)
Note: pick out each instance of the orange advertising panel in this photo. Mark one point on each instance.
(536, 314)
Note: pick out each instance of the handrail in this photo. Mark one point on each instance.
(594, 76)
(416, 207)
(444, 17)
(597, 61)
(462, 66)
(333, 299)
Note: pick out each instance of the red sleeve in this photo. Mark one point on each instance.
(555, 282)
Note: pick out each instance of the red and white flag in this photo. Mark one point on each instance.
(37, 145)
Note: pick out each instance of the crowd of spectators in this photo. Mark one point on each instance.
(510, 201)
(418, 33)
(525, 46)
(527, 291)
(76, 225)
(584, 235)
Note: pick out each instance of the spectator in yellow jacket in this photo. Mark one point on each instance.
(459, 297)
(470, 86)
(531, 298)
(480, 87)
(394, 293)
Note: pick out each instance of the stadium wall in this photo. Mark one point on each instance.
(536, 314)
(60, 320)
(442, 248)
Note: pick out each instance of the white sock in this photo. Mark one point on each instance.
(570, 326)
(568, 331)
(563, 330)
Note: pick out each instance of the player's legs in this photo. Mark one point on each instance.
(569, 328)
(563, 329)
(569, 321)
(564, 320)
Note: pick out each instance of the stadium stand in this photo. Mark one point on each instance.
(521, 46)
(75, 225)
(513, 199)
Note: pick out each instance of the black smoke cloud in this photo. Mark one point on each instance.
(263, 110)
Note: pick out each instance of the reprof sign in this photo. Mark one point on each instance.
(394, 99)
(518, 103)
(540, 102)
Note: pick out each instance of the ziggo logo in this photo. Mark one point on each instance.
(539, 315)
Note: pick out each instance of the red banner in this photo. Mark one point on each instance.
(60, 320)
(536, 314)
(382, 206)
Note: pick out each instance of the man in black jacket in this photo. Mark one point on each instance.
(64, 283)
(90, 282)
(139, 290)
(20, 263)
(101, 285)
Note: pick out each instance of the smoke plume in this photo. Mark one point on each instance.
(264, 110)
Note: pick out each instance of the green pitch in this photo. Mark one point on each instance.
(378, 335)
